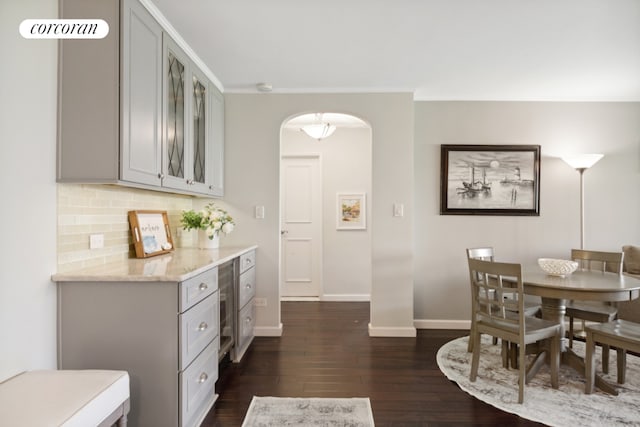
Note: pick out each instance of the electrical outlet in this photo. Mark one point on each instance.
(260, 302)
(96, 241)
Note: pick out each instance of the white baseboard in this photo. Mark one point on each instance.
(391, 331)
(441, 324)
(346, 298)
(332, 298)
(267, 331)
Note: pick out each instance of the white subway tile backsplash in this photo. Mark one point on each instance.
(85, 209)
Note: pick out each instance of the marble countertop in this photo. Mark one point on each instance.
(177, 266)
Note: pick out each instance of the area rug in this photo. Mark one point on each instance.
(298, 411)
(567, 406)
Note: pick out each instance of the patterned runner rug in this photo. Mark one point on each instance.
(308, 412)
(567, 406)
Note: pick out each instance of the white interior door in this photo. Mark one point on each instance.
(301, 226)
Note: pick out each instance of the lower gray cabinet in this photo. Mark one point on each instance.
(246, 310)
(164, 334)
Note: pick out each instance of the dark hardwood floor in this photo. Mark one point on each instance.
(325, 351)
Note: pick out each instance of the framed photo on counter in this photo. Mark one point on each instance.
(151, 233)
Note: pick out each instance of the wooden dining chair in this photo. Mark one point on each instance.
(504, 317)
(486, 253)
(593, 311)
(622, 334)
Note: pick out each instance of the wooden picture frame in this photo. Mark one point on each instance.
(150, 232)
(351, 212)
(490, 180)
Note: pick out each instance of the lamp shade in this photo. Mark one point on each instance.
(583, 161)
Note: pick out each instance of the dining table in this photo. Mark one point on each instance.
(584, 285)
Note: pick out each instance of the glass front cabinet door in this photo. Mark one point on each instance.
(199, 136)
(193, 130)
(176, 110)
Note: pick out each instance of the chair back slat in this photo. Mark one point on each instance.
(484, 253)
(598, 260)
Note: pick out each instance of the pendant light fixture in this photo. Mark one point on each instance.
(319, 129)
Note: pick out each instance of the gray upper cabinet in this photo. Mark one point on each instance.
(215, 166)
(141, 157)
(134, 108)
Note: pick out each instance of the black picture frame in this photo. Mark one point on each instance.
(490, 180)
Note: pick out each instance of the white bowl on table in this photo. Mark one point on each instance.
(557, 267)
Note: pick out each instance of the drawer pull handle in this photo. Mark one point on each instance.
(203, 377)
(202, 326)
(203, 286)
(248, 286)
(248, 320)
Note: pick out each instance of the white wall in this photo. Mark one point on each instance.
(346, 167)
(27, 185)
(252, 140)
(612, 199)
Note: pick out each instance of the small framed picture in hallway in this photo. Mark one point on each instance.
(352, 211)
(490, 180)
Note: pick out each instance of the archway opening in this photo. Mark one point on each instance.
(325, 216)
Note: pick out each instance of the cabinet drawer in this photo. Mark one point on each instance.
(246, 323)
(197, 288)
(197, 385)
(198, 326)
(247, 287)
(247, 260)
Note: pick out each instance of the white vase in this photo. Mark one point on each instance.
(204, 242)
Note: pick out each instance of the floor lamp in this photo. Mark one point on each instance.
(581, 163)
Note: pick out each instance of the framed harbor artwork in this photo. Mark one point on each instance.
(490, 180)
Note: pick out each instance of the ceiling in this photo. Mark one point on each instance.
(556, 50)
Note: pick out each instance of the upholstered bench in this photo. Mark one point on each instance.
(65, 398)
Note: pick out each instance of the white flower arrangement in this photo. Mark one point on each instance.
(212, 219)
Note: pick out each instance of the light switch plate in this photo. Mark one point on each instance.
(398, 209)
(259, 212)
